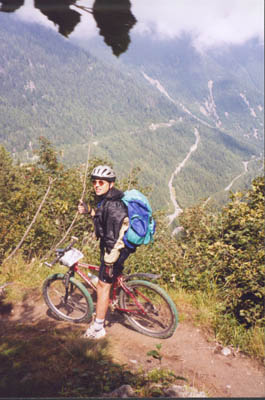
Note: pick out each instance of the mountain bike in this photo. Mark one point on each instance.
(145, 305)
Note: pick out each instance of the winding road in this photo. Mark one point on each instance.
(245, 163)
(177, 209)
(211, 105)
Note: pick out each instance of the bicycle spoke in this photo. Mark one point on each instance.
(149, 309)
(72, 306)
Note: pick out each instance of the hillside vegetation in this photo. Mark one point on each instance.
(59, 91)
(138, 112)
(218, 259)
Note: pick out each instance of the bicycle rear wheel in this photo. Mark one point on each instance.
(158, 317)
(70, 303)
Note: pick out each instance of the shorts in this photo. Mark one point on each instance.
(104, 271)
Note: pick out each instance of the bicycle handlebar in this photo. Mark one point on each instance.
(74, 239)
(62, 252)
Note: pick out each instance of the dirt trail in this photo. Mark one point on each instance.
(188, 353)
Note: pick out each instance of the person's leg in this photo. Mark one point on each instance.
(103, 292)
(97, 330)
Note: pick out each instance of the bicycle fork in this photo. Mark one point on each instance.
(67, 283)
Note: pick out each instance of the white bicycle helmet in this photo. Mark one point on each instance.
(103, 172)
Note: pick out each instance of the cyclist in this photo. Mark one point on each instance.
(110, 223)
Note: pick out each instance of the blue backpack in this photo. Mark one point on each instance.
(141, 223)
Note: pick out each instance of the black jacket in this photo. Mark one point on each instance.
(109, 218)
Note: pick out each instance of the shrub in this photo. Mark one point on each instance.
(228, 250)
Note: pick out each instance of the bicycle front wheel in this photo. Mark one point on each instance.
(70, 303)
(149, 309)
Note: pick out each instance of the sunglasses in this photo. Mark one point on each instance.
(97, 182)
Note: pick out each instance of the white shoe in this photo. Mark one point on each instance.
(91, 333)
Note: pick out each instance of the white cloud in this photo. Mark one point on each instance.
(87, 28)
(211, 22)
(29, 13)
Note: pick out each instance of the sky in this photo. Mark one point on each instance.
(210, 22)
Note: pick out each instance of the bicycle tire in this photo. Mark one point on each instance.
(79, 306)
(161, 317)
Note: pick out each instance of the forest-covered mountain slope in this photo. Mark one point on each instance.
(142, 110)
(224, 86)
(52, 88)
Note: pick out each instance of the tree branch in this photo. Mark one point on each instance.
(34, 219)
(82, 197)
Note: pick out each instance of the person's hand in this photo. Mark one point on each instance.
(83, 208)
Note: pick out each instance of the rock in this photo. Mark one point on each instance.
(174, 391)
(26, 378)
(226, 351)
(122, 392)
(177, 391)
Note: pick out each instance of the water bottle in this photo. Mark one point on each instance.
(93, 278)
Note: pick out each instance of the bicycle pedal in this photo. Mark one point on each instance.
(113, 305)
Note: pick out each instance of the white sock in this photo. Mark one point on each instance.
(99, 324)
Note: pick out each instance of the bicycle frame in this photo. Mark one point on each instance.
(120, 282)
(146, 306)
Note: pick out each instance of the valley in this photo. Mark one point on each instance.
(143, 110)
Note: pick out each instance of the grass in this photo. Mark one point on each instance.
(20, 275)
(250, 341)
(205, 310)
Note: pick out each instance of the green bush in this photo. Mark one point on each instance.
(227, 250)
